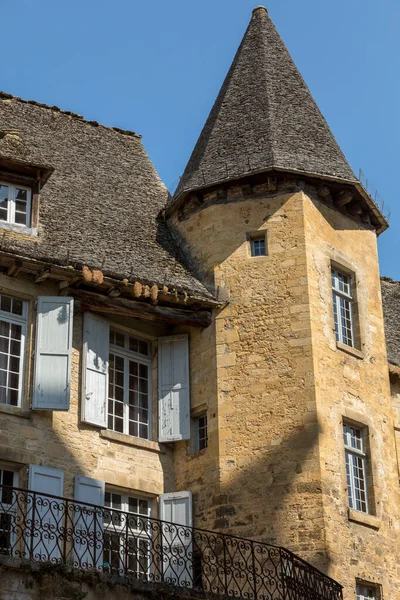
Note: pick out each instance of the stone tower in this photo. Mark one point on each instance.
(272, 214)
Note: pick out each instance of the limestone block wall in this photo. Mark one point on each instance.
(61, 440)
(355, 387)
(268, 449)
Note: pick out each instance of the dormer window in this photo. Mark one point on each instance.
(15, 204)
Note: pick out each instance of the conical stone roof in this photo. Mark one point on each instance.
(264, 118)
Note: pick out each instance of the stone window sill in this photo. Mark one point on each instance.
(123, 438)
(17, 411)
(350, 350)
(364, 519)
(19, 228)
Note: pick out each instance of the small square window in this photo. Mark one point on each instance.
(200, 433)
(258, 245)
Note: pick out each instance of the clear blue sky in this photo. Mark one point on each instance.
(155, 66)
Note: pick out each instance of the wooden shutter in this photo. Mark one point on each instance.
(44, 515)
(173, 388)
(53, 353)
(96, 340)
(177, 544)
(89, 522)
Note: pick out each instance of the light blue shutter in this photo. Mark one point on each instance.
(89, 522)
(173, 388)
(96, 336)
(53, 353)
(177, 544)
(45, 517)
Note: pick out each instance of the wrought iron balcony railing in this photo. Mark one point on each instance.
(41, 527)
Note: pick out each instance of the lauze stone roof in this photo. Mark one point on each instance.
(391, 312)
(263, 118)
(101, 204)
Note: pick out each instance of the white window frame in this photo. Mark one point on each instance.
(11, 204)
(351, 455)
(367, 591)
(196, 426)
(114, 530)
(12, 510)
(21, 320)
(127, 354)
(347, 297)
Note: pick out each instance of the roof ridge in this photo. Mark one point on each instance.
(260, 14)
(389, 279)
(7, 96)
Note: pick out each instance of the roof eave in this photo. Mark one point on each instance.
(179, 199)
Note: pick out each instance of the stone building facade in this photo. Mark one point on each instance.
(197, 348)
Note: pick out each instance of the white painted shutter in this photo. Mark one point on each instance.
(173, 388)
(96, 340)
(89, 525)
(45, 536)
(177, 544)
(51, 389)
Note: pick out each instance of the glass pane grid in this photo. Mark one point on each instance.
(258, 247)
(10, 359)
(138, 399)
(342, 308)
(341, 282)
(202, 433)
(129, 387)
(122, 552)
(116, 393)
(355, 468)
(14, 204)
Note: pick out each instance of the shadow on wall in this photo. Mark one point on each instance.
(280, 492)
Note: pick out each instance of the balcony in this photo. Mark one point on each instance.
(38, 527)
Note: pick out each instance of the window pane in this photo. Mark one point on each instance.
(13, 397)
(20, 206)
(20, 218)
(17, 306)
(143, 347)
(4, 202)
(3, 192)
(258, 247)
(16, 331)
(21, 194)
(5, 303)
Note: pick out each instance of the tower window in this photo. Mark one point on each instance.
(343, 308)
(356, 467)
(258, 246)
